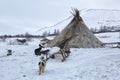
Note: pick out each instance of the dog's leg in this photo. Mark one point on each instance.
(39, 70)
(43, 69)
(47, 56)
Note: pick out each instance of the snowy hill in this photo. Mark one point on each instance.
(82, 64)
(96, 18)
(93, 18)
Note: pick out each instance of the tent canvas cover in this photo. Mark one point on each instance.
(76, 35)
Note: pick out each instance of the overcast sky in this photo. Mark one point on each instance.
(20, 16)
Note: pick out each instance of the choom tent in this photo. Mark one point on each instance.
(76, 35)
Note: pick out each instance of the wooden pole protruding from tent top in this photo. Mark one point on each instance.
(76, 14)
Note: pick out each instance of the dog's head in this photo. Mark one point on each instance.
(41, 45)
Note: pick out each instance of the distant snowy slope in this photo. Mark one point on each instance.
(93, 18)
(100, 17)
(109, 37)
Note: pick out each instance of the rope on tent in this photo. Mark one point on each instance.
(56, 23)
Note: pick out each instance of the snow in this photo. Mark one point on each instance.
(82, 64)
(109, 37)
(101, 17)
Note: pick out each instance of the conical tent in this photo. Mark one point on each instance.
(76, 35)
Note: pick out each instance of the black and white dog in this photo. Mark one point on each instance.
(37, 51)
(42, 65)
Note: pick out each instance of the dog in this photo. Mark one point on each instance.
(37, 51)
(42, 65)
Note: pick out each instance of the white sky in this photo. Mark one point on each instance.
(20, 16)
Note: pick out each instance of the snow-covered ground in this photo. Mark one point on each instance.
(109, 37)
(82, 64)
